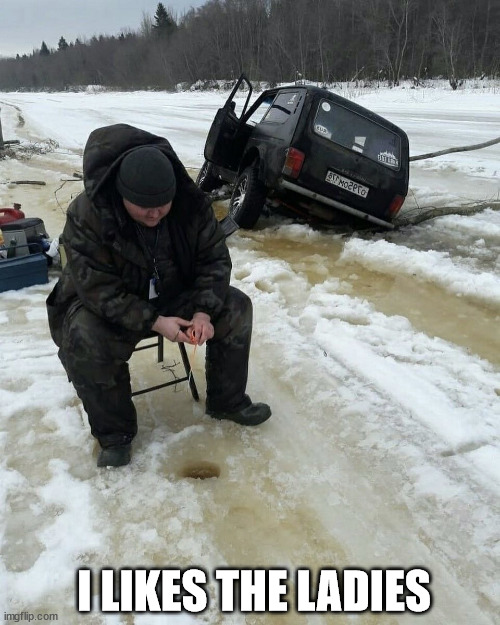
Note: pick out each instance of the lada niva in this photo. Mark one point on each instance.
(308, 149)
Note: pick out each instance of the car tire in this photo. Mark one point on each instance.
(247, 199)
(206, 179)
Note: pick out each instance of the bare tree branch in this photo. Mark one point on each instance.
(37, 182)
(464, 148)
(429, 212)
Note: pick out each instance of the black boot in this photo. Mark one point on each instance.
(114, 456)
(254, 414)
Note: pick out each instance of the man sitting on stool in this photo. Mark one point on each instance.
(145, 252)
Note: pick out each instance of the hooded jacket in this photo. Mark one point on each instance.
(108, 270)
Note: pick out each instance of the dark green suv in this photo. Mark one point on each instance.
(307, 149)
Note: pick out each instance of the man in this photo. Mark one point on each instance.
(145, 253)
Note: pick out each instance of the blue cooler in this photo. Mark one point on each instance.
(18, 272)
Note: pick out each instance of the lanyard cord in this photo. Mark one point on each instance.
(150, 251)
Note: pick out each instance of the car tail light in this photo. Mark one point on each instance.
(396, 204)
(293, 162)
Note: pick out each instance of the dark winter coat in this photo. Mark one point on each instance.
(108, 270)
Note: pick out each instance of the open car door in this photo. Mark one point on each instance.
(224, 144)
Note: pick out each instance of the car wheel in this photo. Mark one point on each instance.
(207, 180)
(248, 198)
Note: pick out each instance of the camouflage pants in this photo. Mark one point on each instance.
(95, 354)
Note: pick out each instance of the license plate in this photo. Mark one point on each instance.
(346, 184)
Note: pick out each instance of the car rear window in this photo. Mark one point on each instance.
(282, 107)
(357, 133)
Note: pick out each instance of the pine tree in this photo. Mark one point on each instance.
(164, 23)
(62, 45)
(44, 51)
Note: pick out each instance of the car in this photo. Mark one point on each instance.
(308, 149)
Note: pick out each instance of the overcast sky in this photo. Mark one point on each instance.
(24, 24)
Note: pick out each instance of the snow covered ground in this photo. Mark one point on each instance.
(378, 353)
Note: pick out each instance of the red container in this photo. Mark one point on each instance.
(11, 214)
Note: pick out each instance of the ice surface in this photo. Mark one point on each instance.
(378, 354)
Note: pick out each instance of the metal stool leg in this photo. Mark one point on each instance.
(160, 357)
(160, 348)
(189, 372)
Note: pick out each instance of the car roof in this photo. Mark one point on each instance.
(320, 92)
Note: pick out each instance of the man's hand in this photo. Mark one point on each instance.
(174, 329)
(201, 330)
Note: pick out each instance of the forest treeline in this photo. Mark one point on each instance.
(276, 41)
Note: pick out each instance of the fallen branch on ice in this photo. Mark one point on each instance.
(430, 212)
(464, 148)
(39, 182)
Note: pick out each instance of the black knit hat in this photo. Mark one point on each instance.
(146, 178)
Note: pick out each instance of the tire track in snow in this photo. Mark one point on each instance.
(344, 410)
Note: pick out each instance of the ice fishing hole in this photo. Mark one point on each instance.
(200, 470)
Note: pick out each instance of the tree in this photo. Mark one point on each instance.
(146, 29)
(449, 26)
(400, 13)
(164, 23)
(44, 51)
(62, 45)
